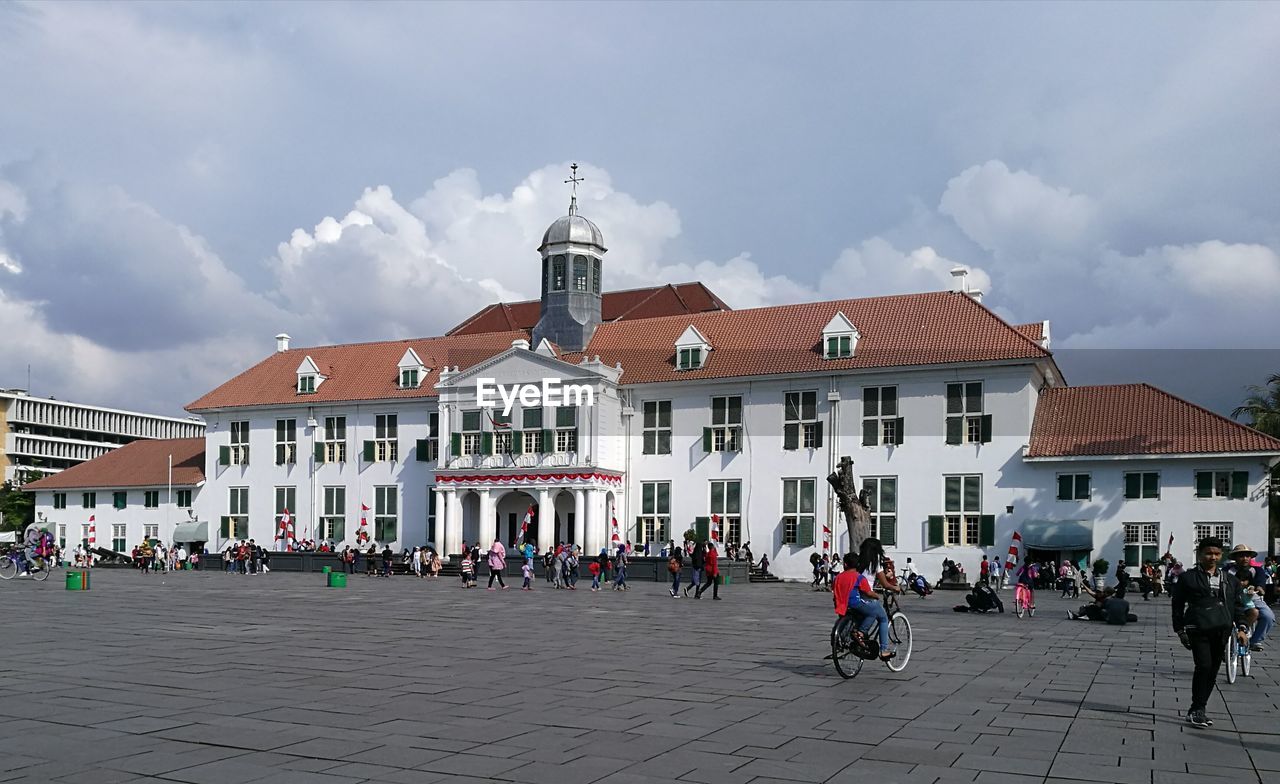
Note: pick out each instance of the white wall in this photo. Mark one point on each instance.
(135, 516)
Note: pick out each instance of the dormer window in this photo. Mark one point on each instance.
(690, 358)
(309, 377)
(412, 371)
(691, 349)
(839, 337)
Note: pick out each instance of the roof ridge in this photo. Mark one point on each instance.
(997, 317)
(652, 293)
(1198, 407)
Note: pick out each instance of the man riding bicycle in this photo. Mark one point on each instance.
(39, 547)
(855, 594)
(1262, 618)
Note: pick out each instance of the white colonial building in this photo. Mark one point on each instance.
(959, 425)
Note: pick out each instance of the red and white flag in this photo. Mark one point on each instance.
(93, 531)
(715, 528)
(362, 533)
(286, 531)
(1170, 547)
(524, 525)
(613, 514)
(1012, 562)
(496, 424)
(826, 536)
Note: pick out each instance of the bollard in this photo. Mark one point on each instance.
(75, 581)
(327, 570)
(337, 580)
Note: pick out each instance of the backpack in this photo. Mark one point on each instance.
(673, 565)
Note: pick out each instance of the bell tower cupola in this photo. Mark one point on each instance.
(572, 267)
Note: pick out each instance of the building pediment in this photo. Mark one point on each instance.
(521, 366)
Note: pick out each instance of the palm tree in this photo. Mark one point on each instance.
(1262, 406)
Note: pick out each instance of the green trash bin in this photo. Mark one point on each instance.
(337, 580)
(75, 581)
(327, 570)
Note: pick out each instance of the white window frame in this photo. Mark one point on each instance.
(793, 413)
(150, 499)
(1221, 530)
(653, 430)
(307, 384)
(286, 441)
(566, 435)
(1075, 486)
(886, 420)
(333, 523)
(183, 498)
(730, 521)
(286, 498)
(59, 500)
(655, 516)
(972, 431)
(726, 435)
(1142, 485)
(793, 519)
(119, 537)
(433, 438)
(839, 346)
(149, 531)
(963, 526)
(386, 438)
(240, 442)
(335, 439)
(386, 511)
(1146, 537)
(410, 378)
(883, 505)
(237, 509)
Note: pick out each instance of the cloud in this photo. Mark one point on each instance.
(876, 267)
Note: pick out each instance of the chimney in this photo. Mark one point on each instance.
(520, 343)
(976, 294)
(282, 342)
(961, 276)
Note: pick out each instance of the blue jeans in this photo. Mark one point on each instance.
(696, 579)
(873, 612)
(621, 578)
(675, 582)
(1266, 620)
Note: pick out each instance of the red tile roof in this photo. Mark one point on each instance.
(356, 371)
(909, 329)
(668, 300)
(136, 464)
(1034, 331)
(1134, 419)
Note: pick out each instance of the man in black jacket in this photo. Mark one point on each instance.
(1207, 607)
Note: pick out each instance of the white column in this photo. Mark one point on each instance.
(453, 541)
(546, 520)
(484, 531)
(442, 517)
(595, 522)
(579, 517)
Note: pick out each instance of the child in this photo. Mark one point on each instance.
(527, 572)
(594, 568)
(468, 570)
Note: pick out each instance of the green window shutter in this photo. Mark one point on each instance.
(319, 453)
(486, 443)
(790, 436)
(420, 451)
(987, 531)
(804, 532)
(517, 442)
(224, 455)
(1204, 484)
(870, 432)
(1082, 487)
(226, 527)
(955, 429)
(1133, 485)
(889, 530)
(955, 398)
(935, 530)
(817, 435)
(1239, 484)
(900, 431)
(1151, 485)
(548, 441)
(455, 444)
(986, 428)
(368, 451)
(702, 527)
(706, 440)
(951, 493)
(1066, 486)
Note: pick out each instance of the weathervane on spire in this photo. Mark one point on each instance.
(575, 179)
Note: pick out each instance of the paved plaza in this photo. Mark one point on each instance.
(202, 677)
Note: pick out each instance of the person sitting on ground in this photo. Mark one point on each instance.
(919, 584)
(983, 598)
(1115, 610)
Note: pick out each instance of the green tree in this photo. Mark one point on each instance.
(17, 507)
(1261, 410)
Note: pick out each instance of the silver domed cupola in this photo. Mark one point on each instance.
(572, 252)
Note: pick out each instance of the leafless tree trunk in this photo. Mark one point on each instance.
(857, 517)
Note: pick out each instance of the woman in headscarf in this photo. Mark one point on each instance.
(497, 563)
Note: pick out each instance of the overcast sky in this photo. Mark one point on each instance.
(178, 183)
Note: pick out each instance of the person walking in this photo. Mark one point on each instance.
(526, 571)
(497, 564)
(984, 571)
(388, 557)
(698, 559)
(1207, 606)
(415, 561)
(712, 571)
(620, 570)
(675, 565)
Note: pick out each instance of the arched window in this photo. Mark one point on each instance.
(580, 269)
(546, 273)
(595, 276)
(557, 273)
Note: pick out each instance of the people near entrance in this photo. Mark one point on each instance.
(526, 571)
(467, 570)
(1068, 581)
(497, 564)
(984, 571)
(1208, 609)
(601, 570)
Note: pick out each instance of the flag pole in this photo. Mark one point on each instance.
(169, 500)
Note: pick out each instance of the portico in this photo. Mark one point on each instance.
(570, 505)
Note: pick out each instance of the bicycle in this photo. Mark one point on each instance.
(1024, 600)
(1238, 657)
(850, 650)
(15, 563)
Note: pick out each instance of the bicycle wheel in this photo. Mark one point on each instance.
(1031, 611)
(40, 573)
(1233, 659)
(8, 569)
(847, 663)
(900, 636)
(1246, 664)
(1017, 606)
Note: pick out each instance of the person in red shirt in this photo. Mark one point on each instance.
(856, 599)
(711, 571)
(984, 571)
